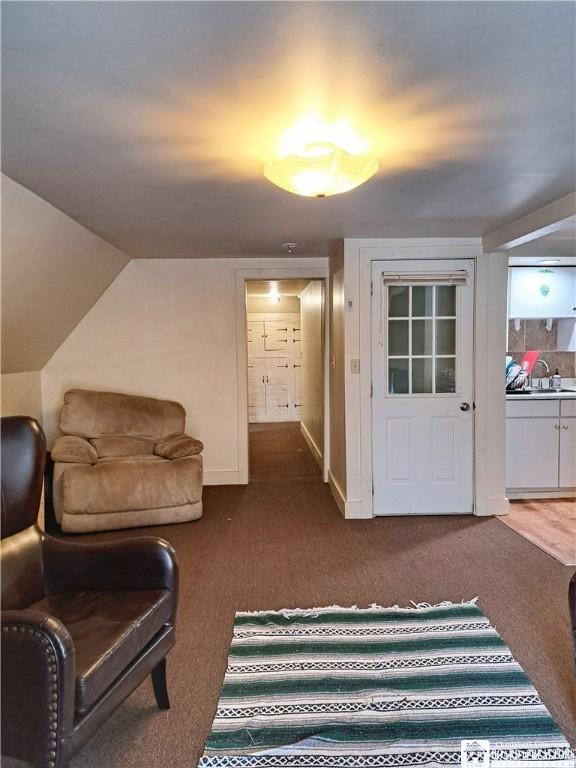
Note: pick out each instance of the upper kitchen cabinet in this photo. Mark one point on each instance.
(542, 292)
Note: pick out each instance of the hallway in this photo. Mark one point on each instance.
(278, 451)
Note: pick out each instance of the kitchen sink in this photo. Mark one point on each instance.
(538, 391)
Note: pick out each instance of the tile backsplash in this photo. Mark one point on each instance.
(533, 335)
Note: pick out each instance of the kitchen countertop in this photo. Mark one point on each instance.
(546, 395)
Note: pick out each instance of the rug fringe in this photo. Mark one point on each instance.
(311, 612)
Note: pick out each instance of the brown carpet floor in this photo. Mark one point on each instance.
(281, 542)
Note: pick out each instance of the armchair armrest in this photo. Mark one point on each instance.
(178, 446)
(38, 685)
(74, 450)
(128, 564)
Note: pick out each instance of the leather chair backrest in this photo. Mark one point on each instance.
(23, 454)
(23, 457)
(91, 414)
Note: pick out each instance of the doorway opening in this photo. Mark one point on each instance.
(285, 340)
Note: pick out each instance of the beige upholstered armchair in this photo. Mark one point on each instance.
(124, 461)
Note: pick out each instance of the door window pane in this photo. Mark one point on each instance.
(398, 300)
(422, 337)
(398, 376)
(422, 375)
(422, 300)
(445, 337)
(446, 301)
(445, 374)
(398, 337)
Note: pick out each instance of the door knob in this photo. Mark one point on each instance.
(464, 406)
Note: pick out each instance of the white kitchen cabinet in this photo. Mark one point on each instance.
(532, 452)
(567, 472)
(540, 446)
(542, 292)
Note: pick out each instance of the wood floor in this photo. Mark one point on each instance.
(550, 524)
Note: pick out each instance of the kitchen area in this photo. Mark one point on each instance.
(541, 393)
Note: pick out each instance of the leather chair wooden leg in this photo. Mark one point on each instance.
(159, 683)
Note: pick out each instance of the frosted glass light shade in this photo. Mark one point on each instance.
(320, 170)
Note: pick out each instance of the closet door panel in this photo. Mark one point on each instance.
(275, 335)
(256, 390)
(255, 337)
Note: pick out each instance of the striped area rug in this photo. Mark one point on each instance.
(335, 687)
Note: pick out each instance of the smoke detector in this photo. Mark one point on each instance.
(290, 247)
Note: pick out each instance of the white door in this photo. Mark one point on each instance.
(423, 378)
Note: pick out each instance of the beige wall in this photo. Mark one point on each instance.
(337, 373)
(164, 328)
(53, 270)
(312, 345)
(21, 394)
(263, 305)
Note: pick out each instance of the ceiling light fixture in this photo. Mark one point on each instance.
(290, 247)
(549, 261)
(317, 159)
(321, 169)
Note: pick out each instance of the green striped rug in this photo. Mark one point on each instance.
(335, 687)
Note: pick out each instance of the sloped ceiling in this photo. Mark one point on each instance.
(149, 122)
(53, 271)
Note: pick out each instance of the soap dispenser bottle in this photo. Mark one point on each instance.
(556, 381)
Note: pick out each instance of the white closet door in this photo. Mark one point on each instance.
(275, 335)
(256, 390)
(297, 389)
(277, 388)
(294, 336)
(255, 337)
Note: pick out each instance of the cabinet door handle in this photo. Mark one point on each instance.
(556, 426)
(565, 427)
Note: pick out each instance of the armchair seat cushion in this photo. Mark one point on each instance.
(123, 486)
(109, 630)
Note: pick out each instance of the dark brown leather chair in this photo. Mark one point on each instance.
(82, 624)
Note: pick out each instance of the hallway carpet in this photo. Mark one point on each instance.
(281, 542)
(279, 451)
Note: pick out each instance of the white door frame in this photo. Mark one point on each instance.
(465, 376)
(489, 338)
(268, 273)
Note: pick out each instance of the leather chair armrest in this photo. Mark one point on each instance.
(128, 564)
(38, 686)
(178, 447)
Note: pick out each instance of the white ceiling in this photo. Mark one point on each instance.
(148, 122)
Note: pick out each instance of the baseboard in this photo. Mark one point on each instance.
(337, 494)
(223, 477)
(568, 493)
(491, 507)
(312, 445)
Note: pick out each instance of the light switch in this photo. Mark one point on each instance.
(354, 365)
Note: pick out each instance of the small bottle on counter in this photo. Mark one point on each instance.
(556, 381)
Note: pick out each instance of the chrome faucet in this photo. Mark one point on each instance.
(545, 364)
